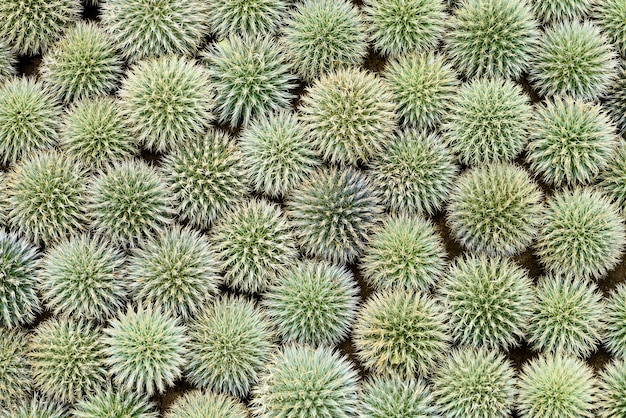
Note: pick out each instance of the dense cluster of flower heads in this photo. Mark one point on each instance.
(312, 209)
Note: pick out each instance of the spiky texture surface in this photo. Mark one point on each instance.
(488, 121)
(324, 35)
(571, 141)
(169, 101)
(146, 349)
(15, 379)
(551, 11)
(333, 213)
(610, 16)
(230, 343)
(314, 303)
(556, 387)
(277, 154)
(615, 317)
(574, 59)
(29, 119)
(612, 390)
(254, 243)
(196, 404)
(80, 278)
(254, 18)
(474, 383)
(495, 209)
(114, 403)
(36, 407)
(615, 100)
(350, 114)
(582, 234)
(7, 62)
(393, 397)
(613, 178)
(66, 359)
(206, 177)
(297, 382)
(404, 253)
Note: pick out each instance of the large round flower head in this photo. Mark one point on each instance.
(81, 278)
(401, 333)
(404, 253)
(488, 121)
(574, 59)
(29, 118)
(167, 101)
(613, 178)
(551, 11)
(47, 196)
(416, 173)
(582, 234)
(423, 86)
(228, 18)
(558, 387)
(394, 397)
(146, 349)
(7, 62)
(301, 381)
(314, 303)
(254, 244)
(277, 154)
(251, 77)
(15, 379)
(495, 209)
(36, 407)
(333, 213)
(129, 202)
(83, 64)
(350, 114)
(610, 16)
(144, 28)
(612, 390)
(176, 270)
(615, 100)
(206, 177)
(492, 38)
(229, 344)
(571, 141)
(29, 27)
(66, 359)
(196, 404)
(114, 403)
(615, 318)
(324, 35)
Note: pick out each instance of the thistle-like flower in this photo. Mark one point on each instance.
(114, 403)
(15, 380)
(612, 390)
(393, 397)
(253, 18)
(197, 404)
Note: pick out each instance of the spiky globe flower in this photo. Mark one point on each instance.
(582, 234)
(571, 141)
(7, 63)
(333, 213)
(350, 114)
(551, 11)
(277, 154)
(176, 270)
(144, 28)
(82, 277)
(167, 101)
(615, 100)
(615, 317)
(15, 379)
(114, 403)
(610, 16)
(129, 202)
(558, 387)
(306, 382)
(47, 197)
(36, 407)
(324, 35)
(488, 121)
(423, 86)
(612, 390)
(145, 349)
(254, 244)
(196, 404)
(574, 59)
(206, 177)
(253, 18)
(495, 209)
(29, 119)
(314, 303)
(613, 178)
(393, 397)
(401, 333)
(404, 253)
(229, 345)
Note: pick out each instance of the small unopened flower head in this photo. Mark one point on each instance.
(15, 380)
(394, 397)
(114, 403)
(198, 404)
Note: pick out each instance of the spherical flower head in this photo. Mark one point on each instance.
(495, 209)
(254, 244)
(306, 382)
(582, 234)
(556, 386)
(114, 403)
(551, 11)
(167, 101)
(251, 77)
(314, 303)
(324, 35)
(615, 100)
(7, 62)
(146, 349)
(404, 253)
(393, 397)
(253, 18)
(206, 177)
(36, 407)
(613, 178)
(574, 59)
(400, 333)
(229, 345)
(615, 317)
(333, 213)
(15, 379)
(196, 404)
(488, 122)
(350, 114)
(612, 390)
(610, 16)
(176, 270)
